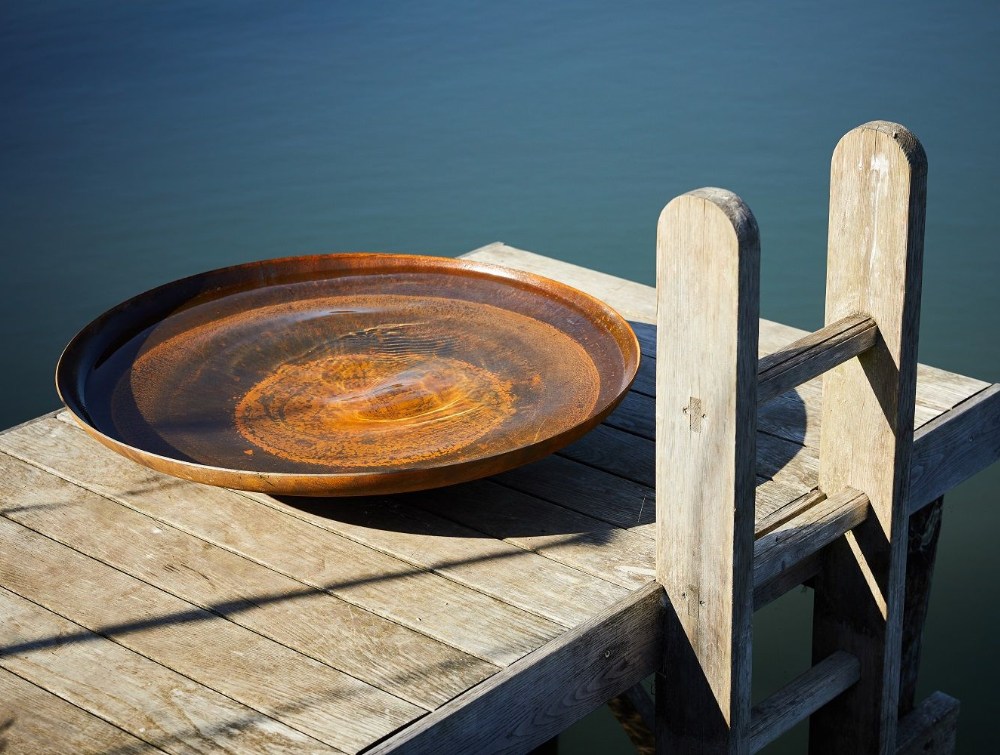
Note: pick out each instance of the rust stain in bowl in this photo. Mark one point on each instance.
(348, 374)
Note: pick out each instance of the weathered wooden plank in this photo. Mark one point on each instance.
(793, 508)
(274, 680)
(418, 529)
(150, 701)
(394, 526)
(795, 539)
(386, 586)
(946, 451)
(538, 585)
(635, 414)
(708, 268)
(623, 557)
(571, 496)
(309, 620)
(811, 356)
(952, 448)
(930, 728)
(798, 574)
(33, 720)
(801, 697)
(586, 490)
(534, 699)
(941, 390)
(794, 415)
(785, 469)
(877, 206)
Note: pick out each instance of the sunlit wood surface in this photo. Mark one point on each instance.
(141, 612)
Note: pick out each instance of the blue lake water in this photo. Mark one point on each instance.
(140, 142)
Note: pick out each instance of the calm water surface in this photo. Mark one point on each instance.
(140, 142)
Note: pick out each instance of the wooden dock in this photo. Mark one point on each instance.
(144, 613)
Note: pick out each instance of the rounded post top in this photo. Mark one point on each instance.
(908, 144)
(734, 209)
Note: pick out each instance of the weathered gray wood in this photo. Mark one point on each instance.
(875, 253)
(708, 264)
(133, 693)
(224, 519)
(950, 449)
(781, 548)
(400, 587)
(799, 574)
(295, 543)
(930, 728)
(925, 527)
(33, 720)
(813, 355)
(621, 556)
(311, 621)
(586, 490)
(785, 470)
(801, 697)
(315, 699)
(532, 700)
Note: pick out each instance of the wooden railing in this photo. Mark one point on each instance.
(849, 539)
(853, 532)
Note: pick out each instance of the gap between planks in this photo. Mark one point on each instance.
(316, 522)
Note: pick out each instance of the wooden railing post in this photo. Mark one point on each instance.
(708, 260)
(877, 203)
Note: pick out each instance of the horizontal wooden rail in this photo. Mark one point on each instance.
(781, 549)
(814, 354)
(929, 729)
(802, 697)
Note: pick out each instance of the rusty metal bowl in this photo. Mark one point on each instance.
(347, 374)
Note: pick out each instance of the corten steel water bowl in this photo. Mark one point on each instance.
(347, 374)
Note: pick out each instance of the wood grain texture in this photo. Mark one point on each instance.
(813, 355)
(264, 530)
(161, 707)
(930, 728)
(314, 699)
(953, 447)
(427, 566)
(35, 721)
(783, 547)
(875, 253)
(801, 697)
(620, 556)
(708, 267)
(534, 699)
(308, 620)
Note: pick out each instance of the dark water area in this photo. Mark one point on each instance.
(140, 142)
